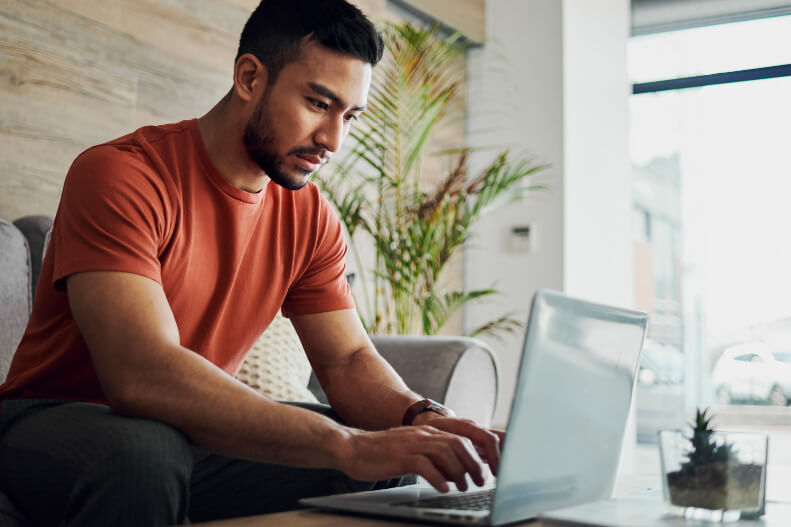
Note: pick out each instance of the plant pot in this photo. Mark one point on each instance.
(721, 490)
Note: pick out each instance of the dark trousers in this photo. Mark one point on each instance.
(79, 464)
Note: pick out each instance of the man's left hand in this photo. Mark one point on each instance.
(486, 441)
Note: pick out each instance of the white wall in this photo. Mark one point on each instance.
(563, 99)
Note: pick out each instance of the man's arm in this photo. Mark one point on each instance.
(364, 389)
(360, 385)
(134, 344)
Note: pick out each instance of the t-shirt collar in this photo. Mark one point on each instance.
(214, 174)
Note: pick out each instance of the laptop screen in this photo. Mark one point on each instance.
(570, 406)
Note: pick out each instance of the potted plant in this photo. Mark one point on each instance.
(405, 218)
(714, 471)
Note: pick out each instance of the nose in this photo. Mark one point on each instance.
(331, 133)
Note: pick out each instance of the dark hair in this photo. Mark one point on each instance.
(277, 29)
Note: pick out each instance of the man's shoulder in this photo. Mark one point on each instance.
(141, 141)
(111, 164)
(139, 154)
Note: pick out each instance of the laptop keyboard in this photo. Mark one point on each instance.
(471, 501)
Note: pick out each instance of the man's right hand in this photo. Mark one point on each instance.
(437, 456)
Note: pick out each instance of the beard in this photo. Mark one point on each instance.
(260, 144)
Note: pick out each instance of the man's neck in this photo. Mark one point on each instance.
(222, 131)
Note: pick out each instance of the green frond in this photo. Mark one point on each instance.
(498, 327)
(437, 308)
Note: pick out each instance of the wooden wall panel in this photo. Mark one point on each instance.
(74, 73)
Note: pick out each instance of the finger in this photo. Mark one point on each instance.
(489, 443)
(481, 454)
(486, 441)
(500, 434)
(463, 449)
(424, 468)
(495, 448)
(445, 457)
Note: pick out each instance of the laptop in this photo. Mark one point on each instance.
(563, 438)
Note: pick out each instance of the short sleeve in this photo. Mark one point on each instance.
(323, 286)
(111, 217)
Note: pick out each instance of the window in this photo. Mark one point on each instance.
(712, 181)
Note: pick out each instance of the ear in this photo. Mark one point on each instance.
(248, 73)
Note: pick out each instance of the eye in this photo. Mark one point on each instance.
(350, 118)
(321, 105)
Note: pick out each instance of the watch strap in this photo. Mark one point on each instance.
(424, 405)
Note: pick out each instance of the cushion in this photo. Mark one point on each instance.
(277, 365)
(15, 294)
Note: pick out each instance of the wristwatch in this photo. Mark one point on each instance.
(425, 405)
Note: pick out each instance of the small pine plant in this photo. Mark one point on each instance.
(704, 449)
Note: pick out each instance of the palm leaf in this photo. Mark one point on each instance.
(436, 309)
(497, 327)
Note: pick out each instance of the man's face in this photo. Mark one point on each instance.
(303, 118)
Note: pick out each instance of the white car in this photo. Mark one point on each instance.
(753, 372)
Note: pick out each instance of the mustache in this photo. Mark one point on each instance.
(312, 151)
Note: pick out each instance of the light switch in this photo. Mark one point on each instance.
(522, 238)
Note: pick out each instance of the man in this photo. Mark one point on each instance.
(172, 250)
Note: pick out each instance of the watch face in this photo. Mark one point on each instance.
(425, 405)
(436, 407)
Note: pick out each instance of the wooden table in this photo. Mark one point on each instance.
(645, 511)
(316, 518)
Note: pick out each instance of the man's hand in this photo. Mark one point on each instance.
(367, 393)
(437, 455)
(486, 441)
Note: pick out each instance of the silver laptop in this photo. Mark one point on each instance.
(564, 433)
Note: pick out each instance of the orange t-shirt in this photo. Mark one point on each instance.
(153, 204)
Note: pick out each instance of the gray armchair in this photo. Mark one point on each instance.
(457, 371)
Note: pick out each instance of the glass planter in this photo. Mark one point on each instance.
(714, 488)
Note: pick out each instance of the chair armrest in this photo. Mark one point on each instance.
(15, 294)
(37, 230)
(460, 372)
